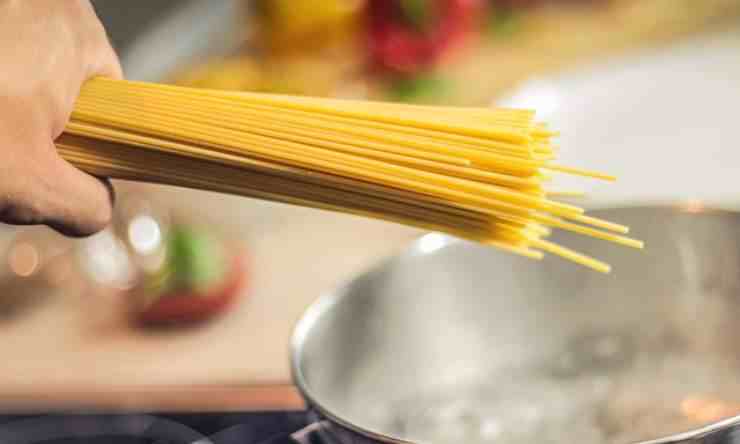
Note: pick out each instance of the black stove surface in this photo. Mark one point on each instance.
(154, 428)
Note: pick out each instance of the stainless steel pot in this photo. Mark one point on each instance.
(458, 343)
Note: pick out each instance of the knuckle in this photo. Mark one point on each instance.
(77, 8)
(107, 58)
(91, 40)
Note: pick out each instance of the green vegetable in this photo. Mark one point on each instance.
(194, 264)
(420, 13)
(419, 88)
(195, 260)
(504, 22)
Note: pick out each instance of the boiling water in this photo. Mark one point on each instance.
(609, 398)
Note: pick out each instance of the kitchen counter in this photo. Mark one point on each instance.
(80, 349)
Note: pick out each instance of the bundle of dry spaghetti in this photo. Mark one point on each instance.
(475, 173)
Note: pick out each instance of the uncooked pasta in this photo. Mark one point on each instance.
(476, 173)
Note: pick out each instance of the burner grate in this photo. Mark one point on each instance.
(160, 428)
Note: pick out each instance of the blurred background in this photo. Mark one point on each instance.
(188, 300)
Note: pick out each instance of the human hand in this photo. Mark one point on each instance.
(48, 49)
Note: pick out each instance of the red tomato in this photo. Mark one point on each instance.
(191, 307)
(397, 45)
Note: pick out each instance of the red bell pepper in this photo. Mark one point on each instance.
(189, 307)
(399, 45)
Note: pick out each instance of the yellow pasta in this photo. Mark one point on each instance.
(474, 173)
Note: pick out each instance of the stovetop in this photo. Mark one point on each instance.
(150, 428)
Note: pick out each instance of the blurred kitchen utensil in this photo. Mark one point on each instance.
(452, 342)
(34, 264)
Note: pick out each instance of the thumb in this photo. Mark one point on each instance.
(80, 204)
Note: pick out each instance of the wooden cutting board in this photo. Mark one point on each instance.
(79, 348)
